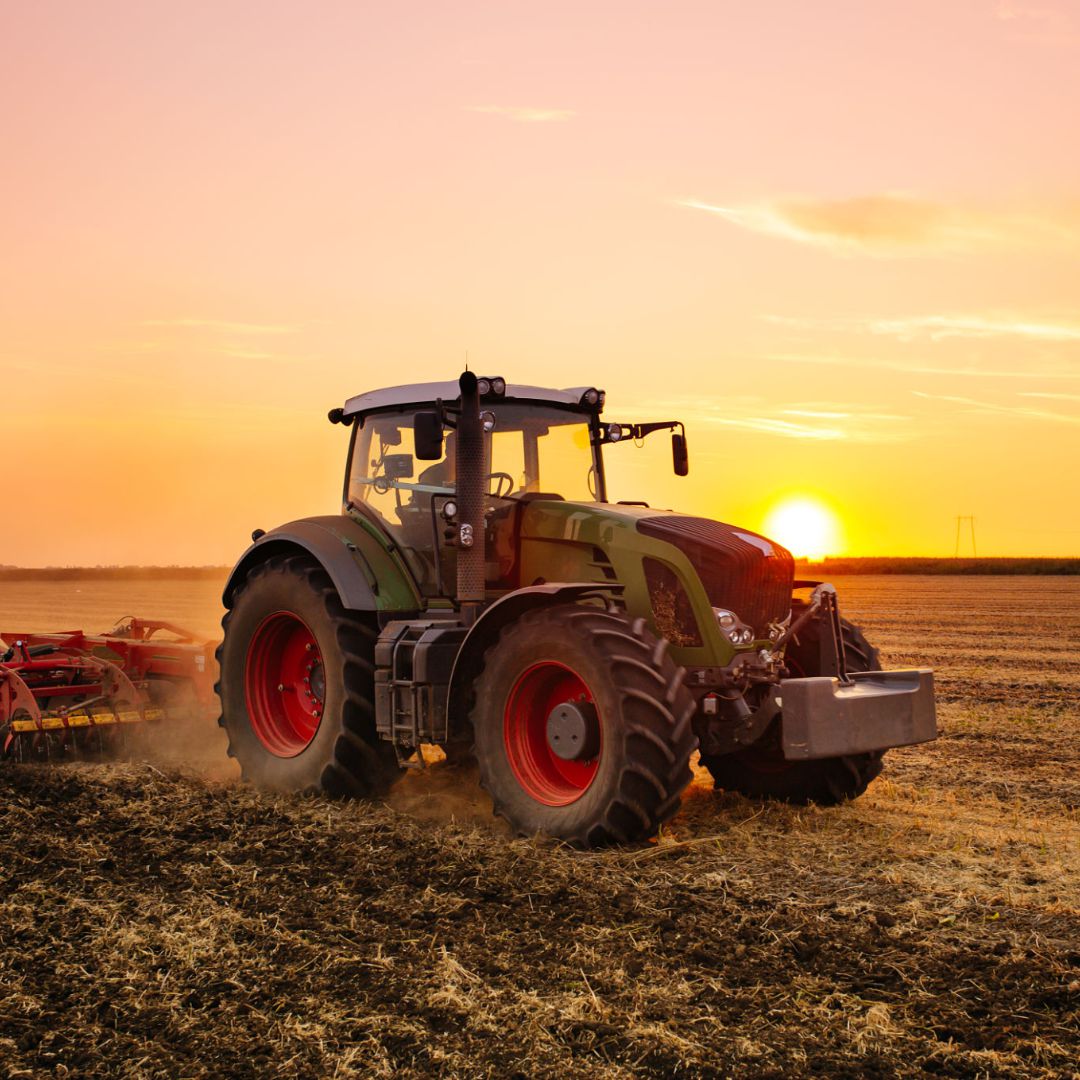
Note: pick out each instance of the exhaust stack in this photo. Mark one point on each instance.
(470, 493)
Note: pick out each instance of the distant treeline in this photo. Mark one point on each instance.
(879, 565)
(887, 565)
(114, 573)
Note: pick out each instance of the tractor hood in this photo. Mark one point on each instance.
(739, 570)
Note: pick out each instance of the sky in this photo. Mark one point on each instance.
(839, 240)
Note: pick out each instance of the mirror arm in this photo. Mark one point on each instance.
(641, 430)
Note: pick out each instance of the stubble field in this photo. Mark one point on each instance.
(159, 919)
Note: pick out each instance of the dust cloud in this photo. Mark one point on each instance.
(444, 792)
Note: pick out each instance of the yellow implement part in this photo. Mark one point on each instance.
(98, 719)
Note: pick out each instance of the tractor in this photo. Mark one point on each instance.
(479, 592)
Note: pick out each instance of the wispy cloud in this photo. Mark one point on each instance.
(942, 327)
(224, 325)
(917, 368)
(1052, 396)
(821, 415)
(896, 224)
(1019, 412)
(813, 421)
(816, 414)
(1047, 24)
(249, 354)
(524, 114)
(774, 426)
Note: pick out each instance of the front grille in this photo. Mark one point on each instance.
(673, 614)
(738, 574)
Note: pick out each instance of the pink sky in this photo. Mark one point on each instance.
(841, 240)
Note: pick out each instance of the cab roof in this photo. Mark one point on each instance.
(425, 394)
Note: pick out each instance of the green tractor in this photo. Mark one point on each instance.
(480, 593)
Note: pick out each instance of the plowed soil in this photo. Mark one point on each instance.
(159, 919)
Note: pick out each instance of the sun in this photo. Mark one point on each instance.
(805, 526)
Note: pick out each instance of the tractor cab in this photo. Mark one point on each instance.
(538, 444)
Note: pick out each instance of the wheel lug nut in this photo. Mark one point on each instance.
(308, 647)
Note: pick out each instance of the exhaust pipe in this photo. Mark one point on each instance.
(470, 493)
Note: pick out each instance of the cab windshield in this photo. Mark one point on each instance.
(530, 450)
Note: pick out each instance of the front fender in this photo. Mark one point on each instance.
(361, 565)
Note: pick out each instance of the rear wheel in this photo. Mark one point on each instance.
(582, 726)
(762, 771)
(297, 685)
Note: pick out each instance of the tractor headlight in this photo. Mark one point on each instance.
(736, 631)
(487, 418)
(483, 387)
(614, 432)
(498, 385)
(591, 397)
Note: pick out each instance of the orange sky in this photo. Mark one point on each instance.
(840, 240)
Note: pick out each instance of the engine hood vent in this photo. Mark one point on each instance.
(740, 570)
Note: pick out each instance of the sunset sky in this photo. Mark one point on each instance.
(841, 241)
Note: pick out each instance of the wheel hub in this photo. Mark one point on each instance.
(573, 732)
(552, 733)
(285, 684)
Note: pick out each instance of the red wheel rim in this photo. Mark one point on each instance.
(285, 684)
(548, 778)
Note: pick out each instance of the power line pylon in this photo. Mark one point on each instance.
(971, 522)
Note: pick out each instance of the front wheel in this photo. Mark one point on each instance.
(762, 771)
(583, 726)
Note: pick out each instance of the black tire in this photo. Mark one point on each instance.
(344, 757)
(761, 771)
(640, 712)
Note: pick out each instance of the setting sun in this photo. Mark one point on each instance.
(806, 527)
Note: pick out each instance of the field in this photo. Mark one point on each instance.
(158, 919)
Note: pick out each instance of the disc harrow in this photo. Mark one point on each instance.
(75, 694)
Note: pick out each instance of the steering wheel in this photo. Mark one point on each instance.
(501, 476)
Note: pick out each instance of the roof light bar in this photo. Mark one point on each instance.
(491, 386)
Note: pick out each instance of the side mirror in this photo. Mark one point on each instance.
(680, 458)
(428, 436)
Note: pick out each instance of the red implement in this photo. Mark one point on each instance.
(71, 691)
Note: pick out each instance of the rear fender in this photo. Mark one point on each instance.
(486, 630)
(361, 564)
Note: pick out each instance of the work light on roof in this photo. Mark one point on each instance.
(491, 385)
(591, 397)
